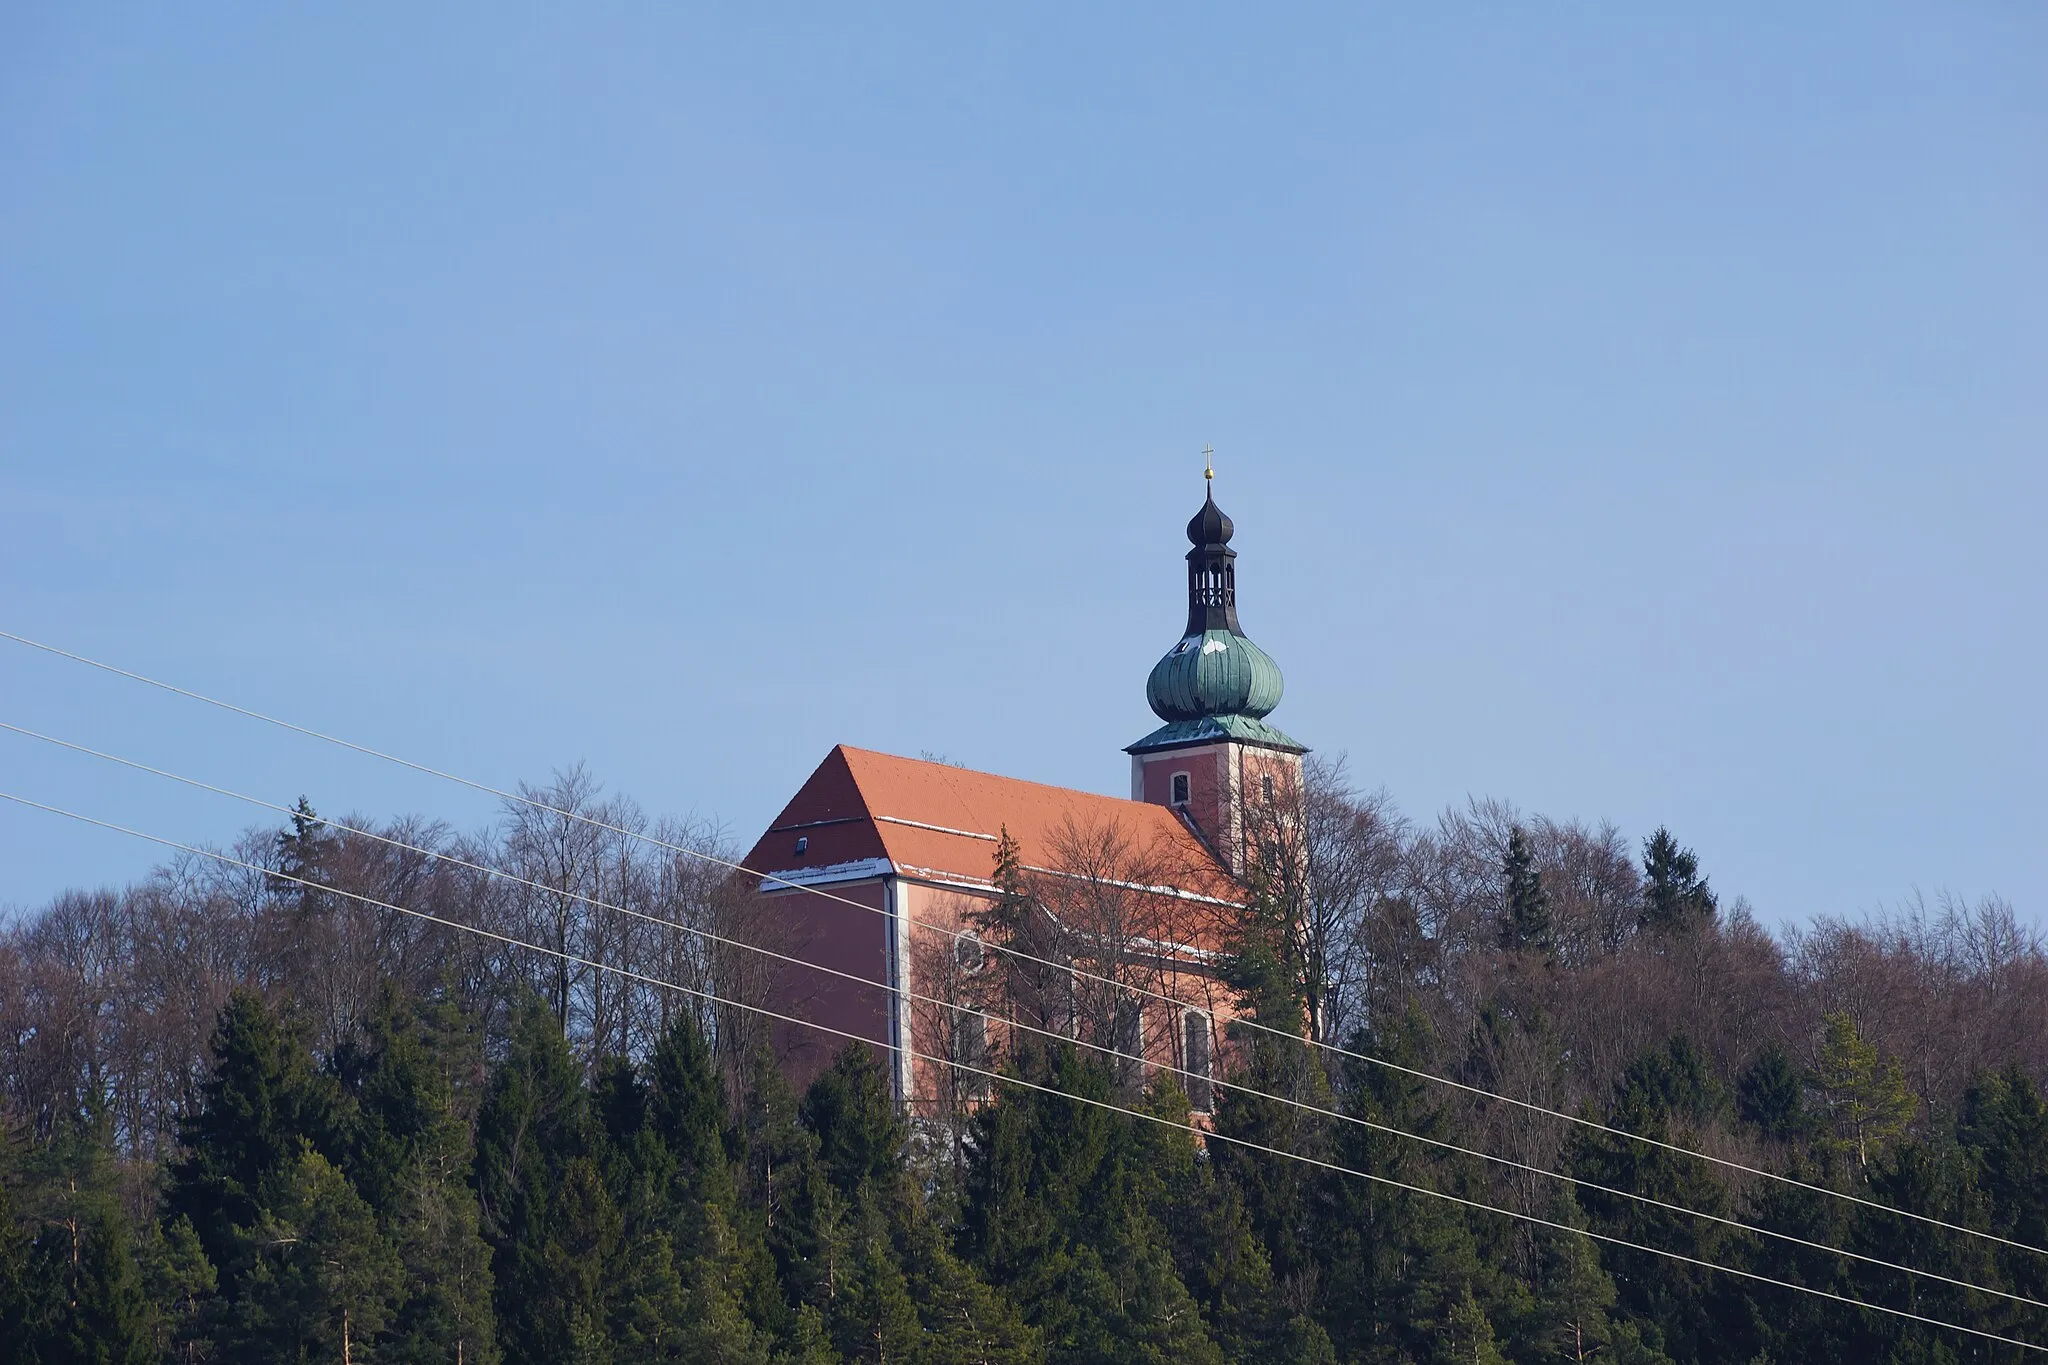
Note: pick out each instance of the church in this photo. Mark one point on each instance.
(1115, 912)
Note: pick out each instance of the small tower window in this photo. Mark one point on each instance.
(1266, 787)
(803, 844)
(1180, 789)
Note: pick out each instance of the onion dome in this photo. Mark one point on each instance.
(1215, 673)
(1209, 526)
(1214, 684)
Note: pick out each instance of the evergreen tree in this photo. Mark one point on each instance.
(798, 1214)
(1572, 1314)
(1864, 1096)
(1771, 1096)
(686, 1113)
(1675, 895)
(260, 1102)
(1527, 926)
(304, 853)
(1059, 1216)
(1402, 1274)
(1264, 972)
(14, 1303)
(2004, 1129)
(182, 1289)
(546, 1214)
(1669, 1094)
(902, 1290)
(1216, 1252)
(315, 1278)
(86, 1296)
(685, 1282)
(404, 1144)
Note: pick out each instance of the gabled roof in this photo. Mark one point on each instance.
(939, 822)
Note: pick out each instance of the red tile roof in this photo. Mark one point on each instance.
(938, 821)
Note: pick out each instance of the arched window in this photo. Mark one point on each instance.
(1127, 1040)
(1180, 795)
(1198, 1058)
(970, 955)
(970, 1050)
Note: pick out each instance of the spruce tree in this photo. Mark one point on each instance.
(182, 1288)
(1264, 972)
(2004, 1129)
(14, 1304)
(1675, 895)
(88, 1295)
(545, 1212)
(316, 1280)
(260, 1101)
(1771, 1096)
(1059, 1216)
(405, 1147)
(1400, 1273)
(894, 1282)
(1018, 985)
(1527, 926)
(1669, 1094)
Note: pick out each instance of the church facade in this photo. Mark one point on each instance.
(962, 912)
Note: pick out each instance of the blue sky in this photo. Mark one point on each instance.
(1631, 414)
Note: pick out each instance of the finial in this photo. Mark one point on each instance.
(1209, 463)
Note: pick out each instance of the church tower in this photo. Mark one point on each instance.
(1215, 757)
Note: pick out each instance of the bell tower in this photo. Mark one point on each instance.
(1215, 758)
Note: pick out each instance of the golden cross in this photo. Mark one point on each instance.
(1209, 463)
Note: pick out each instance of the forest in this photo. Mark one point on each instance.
(250, 1110)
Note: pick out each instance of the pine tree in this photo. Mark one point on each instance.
(2004, 1129)
(405, 1147)
(1771, 1096)
(14, 1302)
(1400, 1273)
(1675, 895)
(1670, 1094)
(259, 1103)
(1059, 1216)
(316, 1279)
(304, 853)
(1527, 926)
(546, 1215)
(1865, 1097)
(89, 1297)
(182, 1288)
(1265, 974)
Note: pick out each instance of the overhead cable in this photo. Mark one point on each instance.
(1020, 1082)
(1303, 1106)
(1333, 1049)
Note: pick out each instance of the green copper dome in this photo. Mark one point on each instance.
(1215, 684)
(1218, 672)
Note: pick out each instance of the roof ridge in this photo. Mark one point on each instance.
(954, 768)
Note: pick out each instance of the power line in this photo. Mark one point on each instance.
(1020, 955)
(919, 997)
(1020, 1082)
